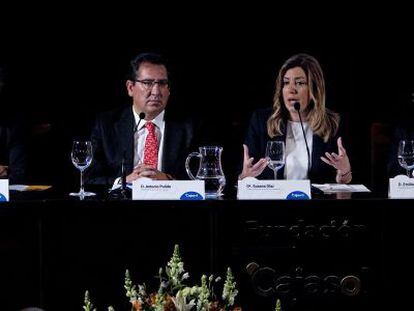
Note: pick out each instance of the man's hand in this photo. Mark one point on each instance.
(143, 170)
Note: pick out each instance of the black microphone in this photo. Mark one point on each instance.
(296, 105)
(123, 170)
(123, 193)
(141, 117)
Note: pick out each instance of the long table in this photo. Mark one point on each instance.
(324, 254)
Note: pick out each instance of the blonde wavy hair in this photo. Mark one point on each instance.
(322, 121)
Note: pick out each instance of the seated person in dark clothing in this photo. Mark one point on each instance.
(12, 155)
(12, 151)
(155, 146)
(300, 83)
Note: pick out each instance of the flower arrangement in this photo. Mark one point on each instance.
(174, 295)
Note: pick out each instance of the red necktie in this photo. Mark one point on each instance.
(151, 146)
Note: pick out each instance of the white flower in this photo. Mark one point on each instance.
(180, 302)
(185, 276)
(229, 290)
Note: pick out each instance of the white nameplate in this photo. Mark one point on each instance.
(401, 187)
(4, 190)
(253, 189)
(148, 189)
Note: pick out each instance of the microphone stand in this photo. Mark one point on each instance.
(314, 190)
(297, 108)
(124, 193)
(121, 193)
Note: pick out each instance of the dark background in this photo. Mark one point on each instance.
(63, 68)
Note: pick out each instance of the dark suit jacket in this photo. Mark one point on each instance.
(257, 138)
(13, 153)
(403, 131)
(112, 136)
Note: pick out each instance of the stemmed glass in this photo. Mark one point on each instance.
(406, 155)
(275, 154)
(81, 158)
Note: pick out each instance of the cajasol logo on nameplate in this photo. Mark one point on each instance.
(401, 187)
(4, 190)
(148, 189)
(253, 189)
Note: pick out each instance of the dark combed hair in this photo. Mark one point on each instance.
(152, 58)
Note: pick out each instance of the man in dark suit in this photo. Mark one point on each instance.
(12, 148)
(12, 154)
(153, 145)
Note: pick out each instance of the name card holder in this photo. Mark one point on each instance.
(401, 187)
(253, 189)
(4, 190)
(148, 189)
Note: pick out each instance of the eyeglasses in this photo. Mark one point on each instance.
(148, 84)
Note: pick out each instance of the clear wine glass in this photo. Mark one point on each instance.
(81, 158)
(275, 154)
(406, 155)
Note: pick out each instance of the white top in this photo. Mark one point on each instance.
(296, 166)
(141, 134)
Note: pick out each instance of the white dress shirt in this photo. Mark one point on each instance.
(139, 141)
(296, 166)
(140, 136)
